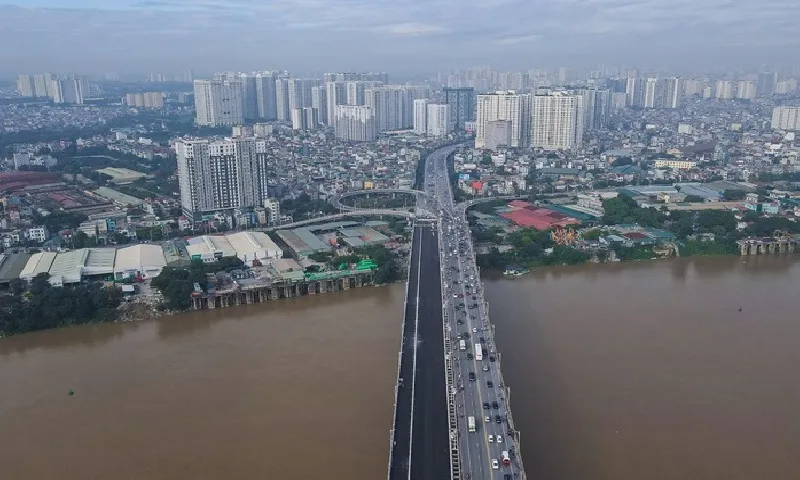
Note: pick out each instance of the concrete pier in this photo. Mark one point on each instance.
(768, 245)
(246, 295)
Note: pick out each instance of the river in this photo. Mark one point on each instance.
(298, 388)
(624, 371)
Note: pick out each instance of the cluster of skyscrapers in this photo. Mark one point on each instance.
(60, 88)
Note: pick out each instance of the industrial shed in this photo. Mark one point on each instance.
(251, 246)
(38, 263)
(209, 248)
(67, 267)
(144, 261)
(11, 265)
(99, 262)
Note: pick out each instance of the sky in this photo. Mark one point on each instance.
(129, 36)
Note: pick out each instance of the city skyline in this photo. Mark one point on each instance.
(238, 34)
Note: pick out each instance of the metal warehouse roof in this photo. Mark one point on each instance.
(100, 261)
(11, 265)
(68, 266)
(137, 257)
(38, 263)
(246, 243)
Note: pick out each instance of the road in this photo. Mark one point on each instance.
(420, 431)
(482, 393)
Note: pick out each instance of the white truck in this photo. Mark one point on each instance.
(462, 345)
(471, 424)
(478, 351)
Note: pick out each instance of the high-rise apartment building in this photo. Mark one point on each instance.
(724, 89)
(673, 92)
(352, 77)
(746, 89)
(299, 91)
(336, 94)
(786, 118)
(421, 116)
(557, 121)
(66, 91)
(650, 92)
(218, 102)
(354, 123)
(145, 100)
(392, 107)
(767, 81)
(692, 87)
(305, 118)
(632, 89)
(43, 84)
(597, 106)
(440, 123)
(265, 95)
(319, 101)
(220, 175)
(786, 86)
(505, 106)
(26, 86)
(282, 99)
(462, 105)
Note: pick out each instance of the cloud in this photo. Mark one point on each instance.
(293, 34)
(517, 39)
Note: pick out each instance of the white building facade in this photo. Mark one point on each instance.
(557, 121)
(505, 106)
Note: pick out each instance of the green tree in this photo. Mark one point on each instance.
(732, 195)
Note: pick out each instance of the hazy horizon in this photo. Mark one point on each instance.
(129, 36)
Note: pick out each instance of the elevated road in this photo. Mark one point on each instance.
(420, 438)
(440, 385)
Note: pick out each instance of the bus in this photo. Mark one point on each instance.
(462, 345)
(471, 424)
(478, 351)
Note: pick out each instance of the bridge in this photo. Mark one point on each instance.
(358, 212)
(431, 436)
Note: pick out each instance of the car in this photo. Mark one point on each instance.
(469, 356)
(495, 464)
(460, 322)
(474, 297)
(507, 476)
(487, 419)
(474, 330)
(471, 376)
(497, 419)
(491, 438)
(491, 358)
(455, 295)
(489, 383)
(486, 405)
(495, 405)
(483, 339)
(486, 368)
(499, 438)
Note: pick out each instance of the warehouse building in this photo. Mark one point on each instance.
(144, 261)
(38, 263)
(302, 242)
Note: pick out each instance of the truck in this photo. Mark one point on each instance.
(462, 345)
(478, 352)
(471, 424)
(504, 456)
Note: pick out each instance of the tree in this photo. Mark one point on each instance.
(622, 161)
(17, 286)
(694, 199)
(732, 195)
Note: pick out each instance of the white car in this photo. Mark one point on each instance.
(495, 465)
(474, 330)
(487, 419)
(491, 438)
(499, 438)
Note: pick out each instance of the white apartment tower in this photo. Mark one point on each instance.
(672, 92)
(786, 118)
(336, 94)
(506, 106)
(220, 175)
(421, 116)
(354, 123)
(218, 102)
(26, 86)
(557, 121)
(440, 124)
(724, 89)
(319, 101)
(650, 87)
(746, 89)
(392, 107)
